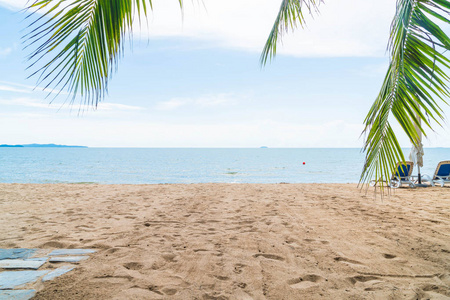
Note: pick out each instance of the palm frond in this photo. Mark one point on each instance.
(79, 43)
(291, 14)
(415, 85)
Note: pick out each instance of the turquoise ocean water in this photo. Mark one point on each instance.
(189, 165)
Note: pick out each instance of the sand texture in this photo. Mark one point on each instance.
(235, 241)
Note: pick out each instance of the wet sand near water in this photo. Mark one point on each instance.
(235, 241)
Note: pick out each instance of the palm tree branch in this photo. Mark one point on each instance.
(289, 16)
(416, 77)
(79, 43)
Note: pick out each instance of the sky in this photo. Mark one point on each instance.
(194, 80)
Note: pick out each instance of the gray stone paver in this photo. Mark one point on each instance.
(21, 264)
(16, 253)
(17, 294)
(13, 284)
(71, 252)
(72, 259)
(12, 279)
(58, 272)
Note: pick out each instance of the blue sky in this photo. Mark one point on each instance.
(196, 81)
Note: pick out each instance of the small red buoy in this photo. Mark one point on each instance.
(304, 163)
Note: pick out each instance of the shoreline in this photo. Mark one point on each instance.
(235, 241)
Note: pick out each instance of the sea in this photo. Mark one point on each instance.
(190, 165)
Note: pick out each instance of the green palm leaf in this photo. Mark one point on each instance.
(290, 14)
(414, 86)
(79, 43)
(416, 82)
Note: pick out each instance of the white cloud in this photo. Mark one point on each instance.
(27, 89)
(27, 102)
(16, 84)
(7, 88)
(34, 103)
(23, 115)
(171, 104)
(14, 4)
(146, 128)
(116, 106)
(202, 102)
(104, 132)
(112, 132)
(5, 51)
(343, 27)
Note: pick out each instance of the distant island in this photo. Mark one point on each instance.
(40, 146)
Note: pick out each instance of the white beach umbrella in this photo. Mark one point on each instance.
(416, 155)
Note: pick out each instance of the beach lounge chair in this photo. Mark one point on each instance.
(441, 175)
(402, 175)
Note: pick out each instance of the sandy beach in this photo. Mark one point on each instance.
(236, 241)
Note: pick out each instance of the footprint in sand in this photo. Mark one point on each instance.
(361, 278)
(52, 244)
(290, 240)
(112, 250)
(238, 268)
(133, 266)
(269, 256)
(318, 241)
(305, 282)
(214, 296)
(347, 261)
(200, 250)
(223, 278)
(445, 278)
(169, 291)
(114, 279)
(170, 257)
(242, 285)
(155, 289)
(438, 290)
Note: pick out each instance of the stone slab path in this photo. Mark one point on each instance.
(18, 282)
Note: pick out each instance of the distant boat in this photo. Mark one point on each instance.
(263, 147)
